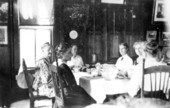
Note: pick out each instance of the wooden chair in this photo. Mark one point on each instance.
(159, 83)
(67, 89)
(57, 87)
(35, 99)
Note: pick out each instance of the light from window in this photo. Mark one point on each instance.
(31, 41)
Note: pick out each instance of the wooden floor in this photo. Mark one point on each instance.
(11, 93)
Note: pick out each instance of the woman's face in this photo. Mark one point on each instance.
(122, 50)
(137, 50)
(67, 55)
(47, 51)
(74, 50)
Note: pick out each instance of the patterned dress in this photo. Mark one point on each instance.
(43, 81)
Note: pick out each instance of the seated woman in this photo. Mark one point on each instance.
(124, 63)
(76, 63)
(59, 50)
(73, 94)
(43, 81)
(151, 59)
(139, 49)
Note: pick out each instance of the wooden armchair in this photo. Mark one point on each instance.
(159, 83)
(35, 99)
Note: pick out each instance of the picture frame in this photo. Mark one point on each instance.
(3, 12)
(158, 11)
(3, 35)
(165, 39)
(151, 35)
(113, 1)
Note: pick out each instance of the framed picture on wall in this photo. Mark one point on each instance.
(158, 11)
(151, 35)
(166, 38)
(3, 35)
(3, 12)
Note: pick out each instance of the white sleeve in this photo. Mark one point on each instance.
(70, 63)
(135, 81)
(81, 61)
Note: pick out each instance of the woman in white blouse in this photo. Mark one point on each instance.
(125, 62)
(76, 62)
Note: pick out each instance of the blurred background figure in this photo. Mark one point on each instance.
(139, 50)
(59, 51)
(76, 63)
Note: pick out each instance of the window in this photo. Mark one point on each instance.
(36, 12)
(31, 40)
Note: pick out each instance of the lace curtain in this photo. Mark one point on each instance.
(41, 10)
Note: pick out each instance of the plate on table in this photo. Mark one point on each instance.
(120, 76)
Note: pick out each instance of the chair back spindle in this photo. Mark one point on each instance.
(143, 64)
(159, 81)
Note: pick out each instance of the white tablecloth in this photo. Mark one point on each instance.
(116, 86)
(98, 87)
(94, 86)
(78, 75)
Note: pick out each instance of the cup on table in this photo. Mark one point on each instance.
(76, 70)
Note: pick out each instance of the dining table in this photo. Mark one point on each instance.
(98, 87)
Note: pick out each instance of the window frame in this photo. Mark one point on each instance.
(35, 28)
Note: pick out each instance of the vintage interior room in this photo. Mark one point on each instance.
(102, 33)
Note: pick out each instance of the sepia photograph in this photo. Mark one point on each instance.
(84, 54)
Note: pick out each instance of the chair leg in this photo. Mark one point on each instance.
(31, 104)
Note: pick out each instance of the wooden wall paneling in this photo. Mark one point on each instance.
(111, 14)
(111, 31)
(119, 19)
(90, 46)
(89, 33)
(115, 31)
(98, 30)
(115, 49)
(94, 27)
(129, 22)
(13, 25)
(4, 74)
(98, 48)
(84, 35)
(15, 35)
(6, 63)
(58, 22)
(105, 34)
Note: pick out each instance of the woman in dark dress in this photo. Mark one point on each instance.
(73, 94)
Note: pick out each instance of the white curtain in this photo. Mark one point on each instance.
(42, 10)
